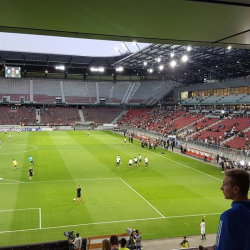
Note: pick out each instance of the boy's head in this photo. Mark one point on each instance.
(114, 240)
(235, 183)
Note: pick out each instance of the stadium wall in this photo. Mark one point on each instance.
(214, 85)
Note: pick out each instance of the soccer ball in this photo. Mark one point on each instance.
(1, 179)
(74, 199)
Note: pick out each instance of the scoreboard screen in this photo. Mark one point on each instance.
(12, 72)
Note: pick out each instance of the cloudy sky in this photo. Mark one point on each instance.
(62, 45)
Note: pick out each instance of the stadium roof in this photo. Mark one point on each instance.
(203, 63)
(195, 22)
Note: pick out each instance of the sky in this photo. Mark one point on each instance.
(63, 45)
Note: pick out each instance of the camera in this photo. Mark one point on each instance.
(69, 234)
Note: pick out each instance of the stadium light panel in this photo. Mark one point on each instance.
(60, 67)
(229, 47)
(189, 48)
(145, 63)
(172, 55)
(119, 69)
(161, 67)
(173, 64)
(184, 58)
(150, 70)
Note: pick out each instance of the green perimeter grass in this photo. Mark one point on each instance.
(167, 199)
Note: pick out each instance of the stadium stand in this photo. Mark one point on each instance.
(144, 91)
(15, 89)
(20, 115)
(46, 91)
(76, 92)
(59, 116)
(100, 115)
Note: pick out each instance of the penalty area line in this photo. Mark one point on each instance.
(110, 222)
(143, 198)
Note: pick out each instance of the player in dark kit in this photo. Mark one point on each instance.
(30, 173)
(78, 195)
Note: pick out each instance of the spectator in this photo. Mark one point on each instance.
(77, 242)
(184, 243)
(123, 243)
(137, 240)
(114, 242)
(106, 245)
(234, 226)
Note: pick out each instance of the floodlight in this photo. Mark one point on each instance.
(158, 59)
(189, 48)
(184, 58)
(60, 67)
(119, 69)
(229, 47)
(46, 72)
(242, 163)
(150, 70)
(134, 43)
(101, 69)
(173, 64)
(172, 54)
(145, 63)
(223, 112)
(161, 67)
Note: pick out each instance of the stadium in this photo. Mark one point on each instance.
(147, 132)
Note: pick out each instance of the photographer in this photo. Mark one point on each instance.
(77, 242)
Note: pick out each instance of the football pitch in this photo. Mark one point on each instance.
(167, 199)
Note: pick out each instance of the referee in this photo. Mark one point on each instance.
(78, 195)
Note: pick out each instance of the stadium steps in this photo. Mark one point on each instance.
(81, 115)
(119, 116)
(189, 125)
(231, 138)
(38, 116)
(211, 125)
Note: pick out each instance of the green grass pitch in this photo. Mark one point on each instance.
(167, 199)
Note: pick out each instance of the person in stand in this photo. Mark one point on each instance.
(203, 229)
(123, 243)
(77, 242)
(30, 173)
(137, 240)
(78, 195)
(114, 242)
(184, 243)
(234, 225)
(106, 245)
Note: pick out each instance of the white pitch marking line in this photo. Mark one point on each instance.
(108, 222)
(40, 218)
(18, 209)
(175, 161)
(33, 182)
(143, 198)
